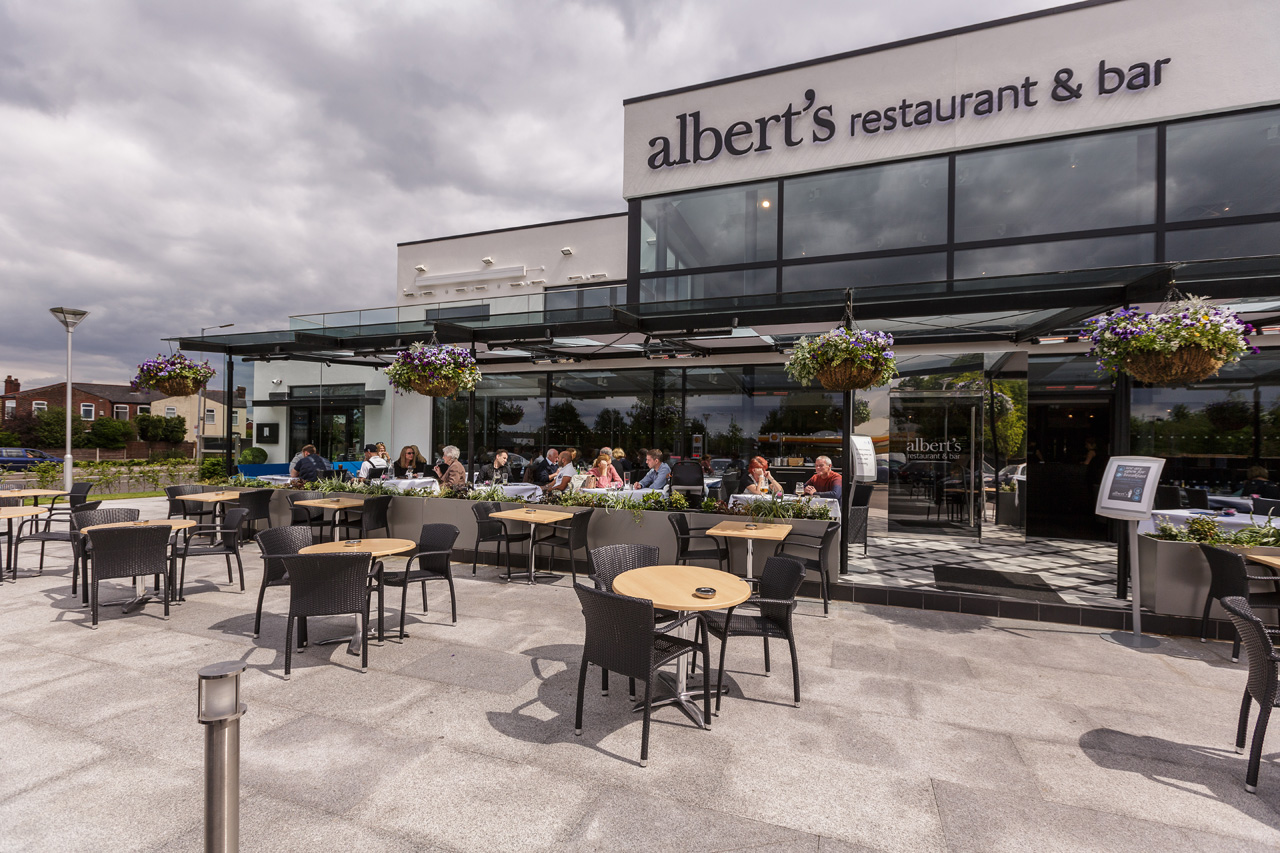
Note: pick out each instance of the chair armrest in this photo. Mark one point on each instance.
(1265, 578)
(788, 602)
(676, 623)
(409, 562)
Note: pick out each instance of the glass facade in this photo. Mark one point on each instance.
(1223, 167)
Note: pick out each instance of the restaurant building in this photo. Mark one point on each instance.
(978, 193)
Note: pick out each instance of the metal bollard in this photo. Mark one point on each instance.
(219, 711)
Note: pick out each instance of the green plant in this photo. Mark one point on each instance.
(159, 428)
(50, 429)
(1197, 528)
(1188, 322)
(10, 439)
(431, 364)
(110, 434)
(710, 505)
(108, 474)
(253, 456)
(47, 474)
(211, 468)
(852, 347)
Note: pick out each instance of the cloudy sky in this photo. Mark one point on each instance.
(170, 164)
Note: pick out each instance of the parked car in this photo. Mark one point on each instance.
(21, 458)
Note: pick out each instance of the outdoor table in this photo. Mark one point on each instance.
(1269, 562)
(629, 493)
(378, 547)
(671, 588)
(1239, 504)
(216, 499)
(746, 498)
(402, 483)
(143, 594)
(34, 494)
(9, 513)
(1180, 516)
(334, 504)
(523, 491)
(533, 517)
(751, 531)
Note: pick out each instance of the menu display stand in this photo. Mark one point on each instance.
(1128, 492)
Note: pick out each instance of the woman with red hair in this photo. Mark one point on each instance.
(759, 480)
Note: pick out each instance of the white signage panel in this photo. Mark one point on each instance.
(864, 459)
(1129, 487)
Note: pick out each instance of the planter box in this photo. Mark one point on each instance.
(1007, 508)
(1175, 577)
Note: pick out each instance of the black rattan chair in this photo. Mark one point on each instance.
(274, 543)
(687, 478)
(730, 483)
(371, 516)
(435, 546)
(609, 561)
(46, 535)
(686, 537)
(1197, 498)
(128, 552)
(813, 555)
(621, 638)
(76, 499)
(776, 599)
(185, 509)
(571, 535)
(327, 585)
(493, 530)
(1263, 683)
(308, 516)
(226, 544)
(257, 504)
(1167, 497)
(1229, 578)
(82, 548)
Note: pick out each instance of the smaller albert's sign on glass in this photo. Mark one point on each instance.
(1129, 487)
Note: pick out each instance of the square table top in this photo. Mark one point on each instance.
(171, 523)
(1273, 562)
(377, 546)
(533, 516)
(739, 529)
(332, 503)
(211, 497)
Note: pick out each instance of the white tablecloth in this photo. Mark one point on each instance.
(743, 499)
(402, 483)
(630, 493)
(524, 491)
(277, 479)
(1178, 517)
(1225, 501)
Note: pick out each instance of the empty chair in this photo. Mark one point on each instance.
(813, 555)
(1229, 578)
(371, 516)
(327, 585)
(689, 538)
(225, 543)
(571, 535)
(435, 547)
(1270, 491)
(309, 516)
(187, 509)
(257, 506)
(1197, 498)
(274, 543)
(70, 535)
(686, 478)
(621, 638)
(1261, 686)
(1167, 497)
(730, 484)
(493, 530)
(82, 548)
(76, 500)
(776, 600)
(128, 552)
(609, 561)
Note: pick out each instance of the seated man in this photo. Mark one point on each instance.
(492, 472)
(450, 472)
(825, 483)
(374, 466)
(659, 471)
(312, 466)
(543, 471)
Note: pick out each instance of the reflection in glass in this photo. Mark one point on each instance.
(718, 285)
(731, 225)
(510, 414)
(1233, 241)
(894, 206)
(565, 298)
(1056, 256)
(1223, 167)
(873, 272)
(1091, 182)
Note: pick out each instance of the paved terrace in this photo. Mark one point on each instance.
(919, 731)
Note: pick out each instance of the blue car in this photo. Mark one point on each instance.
(21, 458)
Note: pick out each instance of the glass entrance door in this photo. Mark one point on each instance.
(937, 438)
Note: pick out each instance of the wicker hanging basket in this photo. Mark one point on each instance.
(435, 387)
(1180, 367)
(848, 377)
(177, 386)
(509, 418)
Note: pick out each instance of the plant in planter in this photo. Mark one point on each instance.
(433, 371)
(844, 360)
(1230, 414)
(509, 413)
(174, 375)
(1189, 340)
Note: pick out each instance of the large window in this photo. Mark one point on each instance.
(1223, 167)
(1026, 258)
(568, 298)
(731, 225)
(897, 206)
(716, 285)
(39, 406)
(120, 412)
(511, 413)
(1085, 183)
(1230, 241)
(869, 272)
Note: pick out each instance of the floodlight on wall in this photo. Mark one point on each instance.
(538, 281)
(599, 275)
(422, 268)
(482, 287)
(566, 251)
(428, 293)
(488, 262)
(576, 278)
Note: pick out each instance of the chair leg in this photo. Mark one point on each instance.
(1204, 620)
(424, 596)
(230, 577)
(1255, 754)
(288, 647)
(826, 590)
(631, 687)
(475, 557)
(724, 641)
(582, 686)
(404, 604)
(706, 681)
(795, 668)
(240, 568)
(648, 712)
(604, 682)
(93, 594)
(1242, 728)
(453, 599)
(766, 654)
(1235, 649)
(364, 638)
(257, 616)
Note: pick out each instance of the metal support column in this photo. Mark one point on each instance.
(229, 401)
(471, 430)
(846, 450)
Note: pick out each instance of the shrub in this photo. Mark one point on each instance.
(110, 434)
(253, 456)
(160, 428)
(47, 474)
(212, 468)
(10, 439)
(49, 429)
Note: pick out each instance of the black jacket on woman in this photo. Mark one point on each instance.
(418, 467)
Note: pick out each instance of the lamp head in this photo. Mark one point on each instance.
(219, 692)
(69, 317)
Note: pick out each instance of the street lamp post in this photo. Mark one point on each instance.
(200, 408)
(69, 318)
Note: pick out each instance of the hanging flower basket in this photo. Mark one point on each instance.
(172, 375)
(1188, 340)
(509, 414)
(844, 360)
(433, 371)
(1230, 414)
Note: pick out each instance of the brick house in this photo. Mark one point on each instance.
(89, 400)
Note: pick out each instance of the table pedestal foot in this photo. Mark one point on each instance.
(689, 700)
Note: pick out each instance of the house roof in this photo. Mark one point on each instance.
(113, 393)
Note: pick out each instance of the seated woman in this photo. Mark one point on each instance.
(1257, 483)
(561, 479)
(603, 475)
(759, 480)
(410, 463)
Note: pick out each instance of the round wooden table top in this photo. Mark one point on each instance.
(21, 511)
(378, 547)
(671, 587)
(171, 523)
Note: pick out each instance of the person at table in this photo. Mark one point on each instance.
(759, 480)
(450, 472)
(659, 471)
(312, 466)
(707, 470)
(1257, 482)
(542, 470)
(492, 472)
(603, 475)
(382, 451)
(621, 463)
(825, 483)
(410, 463)
(563, 478)
(374, 466)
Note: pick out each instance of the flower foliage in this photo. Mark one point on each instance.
(176, 366)
(1190, 322)
(441, 363)
(1002, 402)
(863, 348)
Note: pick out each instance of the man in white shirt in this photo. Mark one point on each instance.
(374, 466)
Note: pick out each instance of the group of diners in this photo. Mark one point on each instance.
(825, 482)
(308, 465)
(562, 470)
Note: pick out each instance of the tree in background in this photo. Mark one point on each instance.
(110, 434)
(154, 428)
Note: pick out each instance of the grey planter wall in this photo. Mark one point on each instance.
(1175, 577)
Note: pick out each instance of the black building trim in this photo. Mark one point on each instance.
(514, 228)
